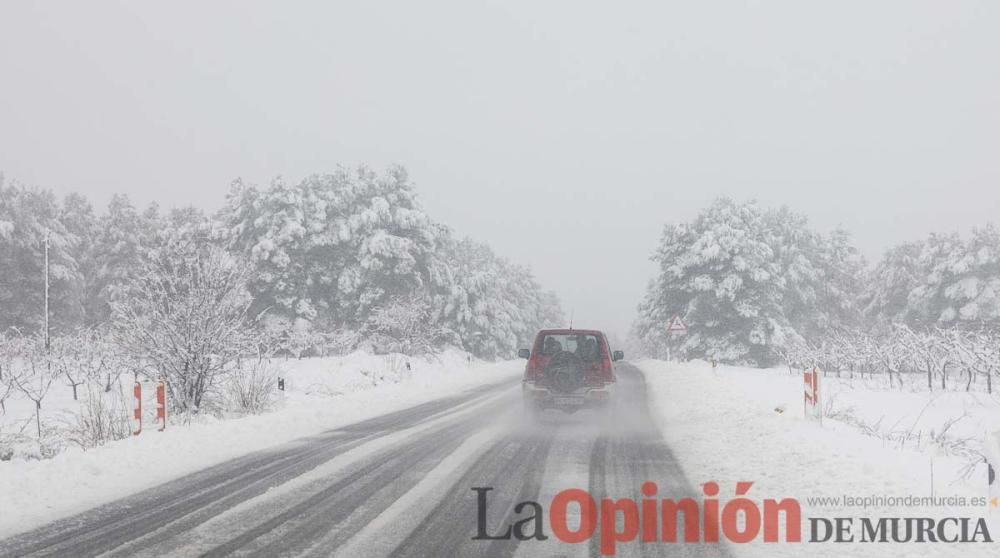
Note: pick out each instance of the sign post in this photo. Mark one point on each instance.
(675, 328)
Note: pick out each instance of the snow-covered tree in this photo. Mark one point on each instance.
(747, 281)
(82, 226)
(894, 278)
(842, 274)
(942, 281)
(981, 351)
(333, 252)
(964, 284)
(376, 236)
(186, 318)
(83, 357)
(721, 275)
(491, 305)
(26, 217)
(269, 228)
(31, 371)
(119, 253)
(182, 226)
(8, 368)
(334, 247)
(328, 255)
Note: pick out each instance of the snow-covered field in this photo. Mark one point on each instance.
(738, 424)
(321, 393)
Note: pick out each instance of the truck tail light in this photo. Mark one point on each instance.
(535, 370)
(601, 372)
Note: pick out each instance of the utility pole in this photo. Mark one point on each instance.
(47, 232)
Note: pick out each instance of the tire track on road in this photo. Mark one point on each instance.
(329, 506)
(512, 467)
(632, 452)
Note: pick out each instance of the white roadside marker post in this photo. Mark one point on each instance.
(818, 394)
(991, 449)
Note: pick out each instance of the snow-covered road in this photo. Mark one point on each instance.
(400, 485)
(400, 480)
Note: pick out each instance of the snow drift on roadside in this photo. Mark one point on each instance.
(724, 425)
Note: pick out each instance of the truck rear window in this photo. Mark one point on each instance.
(585, 345)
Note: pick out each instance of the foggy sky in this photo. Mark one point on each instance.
(564, 135)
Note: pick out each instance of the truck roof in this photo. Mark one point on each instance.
(571, 331)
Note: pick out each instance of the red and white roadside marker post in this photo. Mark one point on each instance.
(161, 406)
(137, 393)
(812, 404)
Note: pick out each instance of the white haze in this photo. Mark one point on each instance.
(562, 134)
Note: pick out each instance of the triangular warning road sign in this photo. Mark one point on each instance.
(676, 324)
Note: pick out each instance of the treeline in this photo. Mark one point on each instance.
(756, 284)
(330, 260)
(939, 358)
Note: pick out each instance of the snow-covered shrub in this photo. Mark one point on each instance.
(342, 341)
(252, 387)
(187, 320)
(299, 341)
(398, 367)
(101, 417)
(405, 325)
(6, 448)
